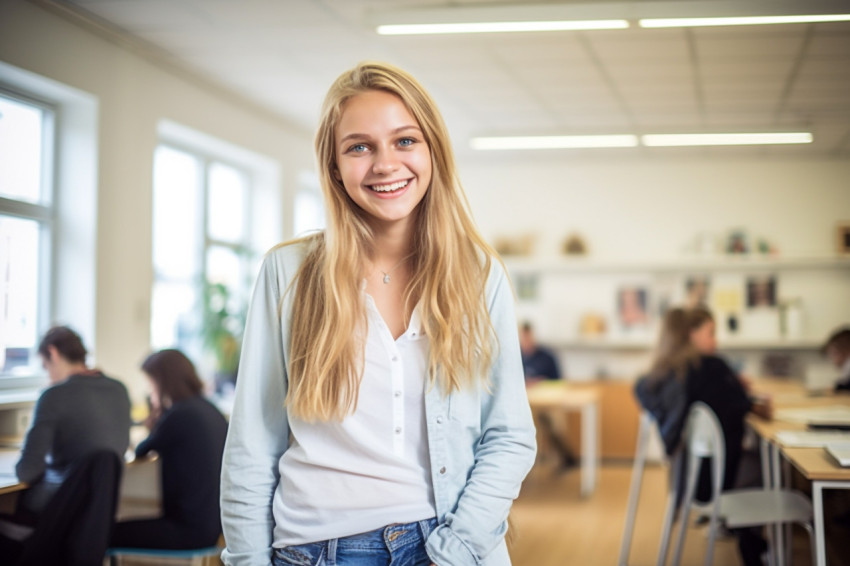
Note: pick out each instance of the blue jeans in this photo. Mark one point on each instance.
(395, 545)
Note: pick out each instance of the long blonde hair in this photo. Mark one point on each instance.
(675, 353)
(450, 265)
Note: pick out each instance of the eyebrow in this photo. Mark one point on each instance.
(354, 136)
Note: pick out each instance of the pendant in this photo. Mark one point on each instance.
(386, 278)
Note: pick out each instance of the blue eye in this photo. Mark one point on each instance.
(358, 148)
(406, 142)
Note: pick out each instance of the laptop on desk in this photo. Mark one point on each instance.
(820, 378)
(840, 452)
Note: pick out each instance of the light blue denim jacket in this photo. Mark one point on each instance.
(481, 440)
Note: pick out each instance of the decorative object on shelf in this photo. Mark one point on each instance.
(574, 245)
(843, 238)
(704, 244)
(732, 323)
(728, 302)
(515, 245)
(738, 242)
(632, 306)
(791, 317)
(761, 291)
(696, 291)
(592, 325)
(765, 247)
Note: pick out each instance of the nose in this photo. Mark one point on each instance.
(385, 162)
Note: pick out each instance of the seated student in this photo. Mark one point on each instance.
(685, 370)
(188, 433)
(82, 411)
(837, 349)
(537, 361)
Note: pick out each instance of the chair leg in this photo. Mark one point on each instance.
(634, 489)
(685, 509)
(670, 512)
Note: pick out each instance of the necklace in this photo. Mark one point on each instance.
(387, 273)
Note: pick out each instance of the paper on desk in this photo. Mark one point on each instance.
(810, 438)
(814, 415)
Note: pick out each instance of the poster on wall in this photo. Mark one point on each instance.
(633, 306)
(696, 291)
(761, 292)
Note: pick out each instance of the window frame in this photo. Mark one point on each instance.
(45, 215)
(243, 248)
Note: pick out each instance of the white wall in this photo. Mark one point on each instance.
(652, 209)
(133, 96)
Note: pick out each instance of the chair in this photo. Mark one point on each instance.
(75, 525)
(194, 557)
(703, 438)
(644, 429)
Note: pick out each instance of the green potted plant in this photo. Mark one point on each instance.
(222, 332)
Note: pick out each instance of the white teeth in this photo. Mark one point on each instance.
(388, 188)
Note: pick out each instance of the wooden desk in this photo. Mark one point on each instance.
(813, 463)
(560, 396)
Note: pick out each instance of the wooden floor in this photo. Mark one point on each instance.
(554, 526)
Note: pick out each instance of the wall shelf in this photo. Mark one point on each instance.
(676, 265)
(740, 344)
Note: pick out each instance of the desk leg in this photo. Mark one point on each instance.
(589, 448)
(820, 540)
(779, 530)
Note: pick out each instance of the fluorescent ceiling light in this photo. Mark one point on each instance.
(498, 27)
(741, 20)
(765, 138)
(553, 142)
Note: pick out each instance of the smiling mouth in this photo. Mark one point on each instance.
(391, 187)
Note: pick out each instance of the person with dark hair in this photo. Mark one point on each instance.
(188, 433)
(686, 370)
(538, 362)
(837, 349)
(82, 411)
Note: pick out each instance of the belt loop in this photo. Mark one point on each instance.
(332, 551)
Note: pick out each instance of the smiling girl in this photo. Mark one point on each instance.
(380, 414)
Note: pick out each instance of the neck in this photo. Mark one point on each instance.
(71, 369)
(391, 247)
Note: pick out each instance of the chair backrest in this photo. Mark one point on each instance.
(703, 436)
(76, 523)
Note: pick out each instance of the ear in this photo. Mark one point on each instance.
(52, 353)
(336, 174)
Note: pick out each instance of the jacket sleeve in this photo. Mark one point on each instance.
(31, 466)
(503, 454)
(667, 402)
(258, 432)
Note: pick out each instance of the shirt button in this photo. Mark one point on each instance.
(395, 358)
(439, 420)
(443, 470)
(397, 394)
(398, 430)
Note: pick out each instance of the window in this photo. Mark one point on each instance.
(26, 226)
(203, 260)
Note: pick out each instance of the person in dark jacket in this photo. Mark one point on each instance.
(686, 370)
(188, 434)
(82, 411)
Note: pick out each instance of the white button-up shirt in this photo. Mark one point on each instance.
(371, 469)
(480, 440)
